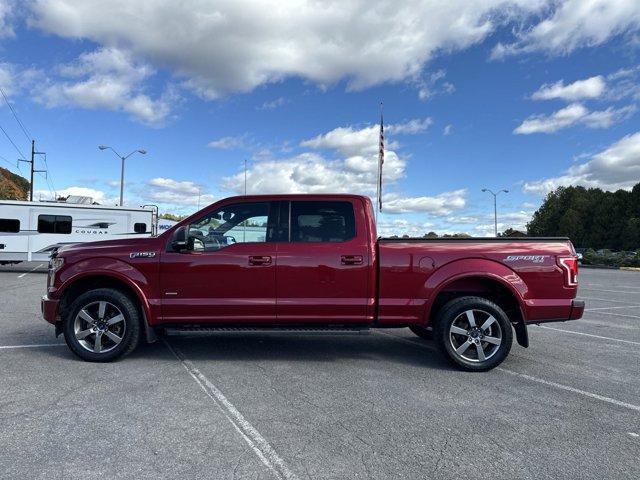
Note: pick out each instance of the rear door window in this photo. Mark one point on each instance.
(318, 221)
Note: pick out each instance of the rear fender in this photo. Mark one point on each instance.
(479, 268)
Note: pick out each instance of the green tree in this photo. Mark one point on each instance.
(589, 217)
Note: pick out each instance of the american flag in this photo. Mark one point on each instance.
(380, 162)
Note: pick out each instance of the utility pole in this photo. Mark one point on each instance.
(495, 207)
(32, 165)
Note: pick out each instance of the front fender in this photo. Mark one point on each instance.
(115, 269)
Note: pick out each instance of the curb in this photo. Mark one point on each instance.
(631, 269)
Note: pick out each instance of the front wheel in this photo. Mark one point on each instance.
(102, 325)
(474, 333)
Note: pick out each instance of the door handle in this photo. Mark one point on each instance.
(256, 260)
(351, 259)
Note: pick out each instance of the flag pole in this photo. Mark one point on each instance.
(380, 162)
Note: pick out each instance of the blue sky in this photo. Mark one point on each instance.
(524, 95)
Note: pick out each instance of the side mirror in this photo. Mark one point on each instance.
(179, 242)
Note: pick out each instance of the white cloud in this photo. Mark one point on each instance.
(176, 194)
(573, 114)
(434, 84)
(234, 46)
(6, 18)
(448, 130)
(575, 24)
(98, 196)
(439, 205)
(589, 88)
(14, 79)
(228, 143)
(353, 171)
(400, 226)
(7, 78)
(273, 104)
(110, 79)
(410, 127)
(614, 168)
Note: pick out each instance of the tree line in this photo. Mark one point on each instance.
(590, 217)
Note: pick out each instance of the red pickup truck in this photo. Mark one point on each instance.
(308, 261)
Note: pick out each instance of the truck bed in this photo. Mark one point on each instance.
(420, 273)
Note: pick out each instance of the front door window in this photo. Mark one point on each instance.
(231, 224)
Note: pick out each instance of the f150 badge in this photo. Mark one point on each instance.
(526, 258)
(142, 254)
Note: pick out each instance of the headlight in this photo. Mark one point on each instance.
(56, 263)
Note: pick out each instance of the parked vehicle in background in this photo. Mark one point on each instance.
(30, 231)
(309, 261)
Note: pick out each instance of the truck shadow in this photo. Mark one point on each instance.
(298, 348)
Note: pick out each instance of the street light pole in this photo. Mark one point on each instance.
(495, 207)
(122, 180)
(122, 158)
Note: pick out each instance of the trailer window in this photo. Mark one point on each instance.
(140, 227)
(9, 225)
(54, 224)
(322, 222)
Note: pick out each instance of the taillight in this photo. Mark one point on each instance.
(570, 267)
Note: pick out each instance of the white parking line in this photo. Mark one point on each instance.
(615, 286)
(610, 308)
(35, 345)
(256, 441)
(30, 271)
(618, 314)
(589, 335)
(560, 386)
(602, 398)
(580, 297)
(608, 291)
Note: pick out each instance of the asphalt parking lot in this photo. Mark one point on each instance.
(378, 405)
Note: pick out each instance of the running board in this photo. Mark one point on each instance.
(295, 330)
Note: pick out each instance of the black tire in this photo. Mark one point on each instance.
(500, 329)
(130, 325)
(422, 332)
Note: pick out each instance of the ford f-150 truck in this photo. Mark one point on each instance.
(308, 261)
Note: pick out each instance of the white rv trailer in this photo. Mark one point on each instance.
(29, 231)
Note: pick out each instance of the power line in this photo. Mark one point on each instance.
(4, 159)
(48, 177)
(28, 136)
(15, 115)
(22, 155)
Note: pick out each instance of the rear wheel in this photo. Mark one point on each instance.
(474, 333)
(102, 325)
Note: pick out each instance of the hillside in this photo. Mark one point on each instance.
(12, 186)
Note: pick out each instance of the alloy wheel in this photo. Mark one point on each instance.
(99, 326)
(475, 335)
